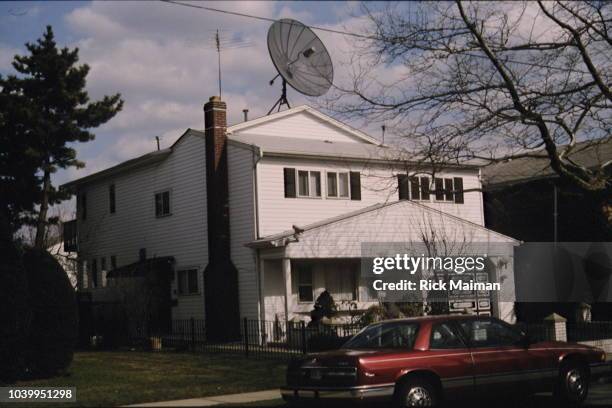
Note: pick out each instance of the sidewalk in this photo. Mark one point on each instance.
(217, 400)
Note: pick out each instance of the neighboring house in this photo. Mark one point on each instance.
(526, 199)
(68, 260)
(260, 217)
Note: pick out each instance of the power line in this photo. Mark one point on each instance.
(363, 36)
(235, 13)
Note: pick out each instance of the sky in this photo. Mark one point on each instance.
(161, 58)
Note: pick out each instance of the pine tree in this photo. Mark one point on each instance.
(47, 109)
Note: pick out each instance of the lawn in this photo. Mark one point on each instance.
(119, 378)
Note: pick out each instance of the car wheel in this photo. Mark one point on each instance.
(416, 392)
(573, 385)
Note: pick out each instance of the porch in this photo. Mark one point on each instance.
(296, 266)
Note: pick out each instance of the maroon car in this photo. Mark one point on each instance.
(421, 361)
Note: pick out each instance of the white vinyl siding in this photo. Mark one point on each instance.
(378, 185)
(134, 226)
(303, 125)
(242, 226)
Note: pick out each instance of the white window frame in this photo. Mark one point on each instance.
(311, 188)
(178, 278)
(348, 185)
(169, 191)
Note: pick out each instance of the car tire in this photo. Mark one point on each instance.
(416, 392)
(572, 386)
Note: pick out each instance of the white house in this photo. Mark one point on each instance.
(262, 216)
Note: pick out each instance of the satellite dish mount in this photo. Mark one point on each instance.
(282, 100)
(300, 58)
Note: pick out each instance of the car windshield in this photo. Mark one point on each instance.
(384, 335)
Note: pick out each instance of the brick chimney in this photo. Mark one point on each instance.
(220, 276)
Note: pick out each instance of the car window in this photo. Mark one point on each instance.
(444, 336)
(489, 333)
(385, 335)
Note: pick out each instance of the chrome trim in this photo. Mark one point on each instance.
(356, 392)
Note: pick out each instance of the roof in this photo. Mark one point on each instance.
(140, 161)
(308, 109)
(283, 238)
(590, 154)
(291, 146)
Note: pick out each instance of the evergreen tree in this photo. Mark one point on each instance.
(45, 108)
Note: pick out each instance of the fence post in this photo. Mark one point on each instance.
(246, 336)
(557, 327)
(303, 333)
(192, 328)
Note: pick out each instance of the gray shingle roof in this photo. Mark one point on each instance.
(589, 154)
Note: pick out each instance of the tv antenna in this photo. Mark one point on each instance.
(223, 40)
(300, 58)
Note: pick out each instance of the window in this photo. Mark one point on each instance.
(142, 254)
(309, 183)
(94, 273)
(449, 189)
(341, 279)
(385, 335)
(113, 262)
(444, 336)
(338, 184)
(305, 284)
(83, 206)
(111, 198)
(490, 333)
(162, 204)
(188, 281)
(103, 270)
(332, 185)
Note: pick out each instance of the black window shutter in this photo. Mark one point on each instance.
(424, 188)
(458, 185)
(414, 188)
(355, 185)
(439, 189)
(289, 182)
(402, 187)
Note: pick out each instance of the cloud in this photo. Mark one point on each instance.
(161, 58)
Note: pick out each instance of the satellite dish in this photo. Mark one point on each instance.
(300, 58)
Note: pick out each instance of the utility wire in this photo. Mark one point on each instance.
(367, 37)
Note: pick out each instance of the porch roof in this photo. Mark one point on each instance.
(400, 221)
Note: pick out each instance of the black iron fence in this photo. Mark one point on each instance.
(589, 331)
(284, 340)
(265, 339)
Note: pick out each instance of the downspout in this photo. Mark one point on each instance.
(257, 156)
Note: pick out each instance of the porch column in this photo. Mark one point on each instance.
(286, 268)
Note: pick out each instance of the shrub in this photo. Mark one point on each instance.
(54, 322)
(324, 307)
(14, 310)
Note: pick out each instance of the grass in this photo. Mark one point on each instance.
(119, 378)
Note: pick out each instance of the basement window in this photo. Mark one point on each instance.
(188, 282)
(162, 204)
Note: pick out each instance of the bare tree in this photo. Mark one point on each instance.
(487, 81)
